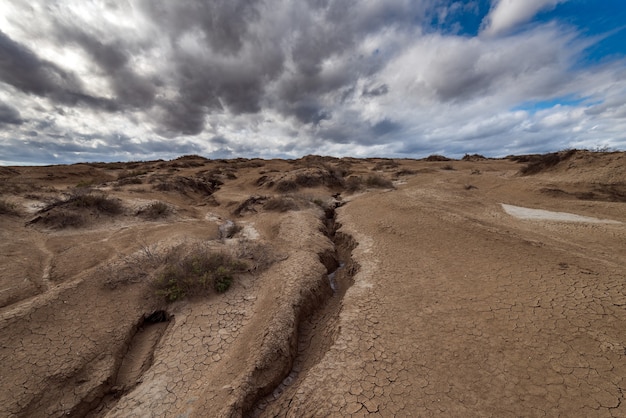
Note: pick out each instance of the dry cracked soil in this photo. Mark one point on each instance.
(315, 287)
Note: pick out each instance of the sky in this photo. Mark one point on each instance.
(128, 80)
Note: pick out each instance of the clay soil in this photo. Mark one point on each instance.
(360, 287)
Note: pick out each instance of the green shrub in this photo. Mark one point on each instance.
(196, 272)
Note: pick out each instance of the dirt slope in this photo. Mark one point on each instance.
(443, 304)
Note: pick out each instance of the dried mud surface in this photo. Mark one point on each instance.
(361, 297)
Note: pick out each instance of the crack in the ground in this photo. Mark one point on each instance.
(312, 331)
(134, 360)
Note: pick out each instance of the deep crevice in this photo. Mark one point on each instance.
(133, 360)
(317, 332)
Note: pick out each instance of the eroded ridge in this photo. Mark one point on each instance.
(317, 331)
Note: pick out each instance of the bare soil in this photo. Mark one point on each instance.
(372, 287)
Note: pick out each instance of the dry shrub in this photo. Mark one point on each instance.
(63, 219)
(448, 167)
(73, 210)
(132, 173)
(99, 202)
(540, 163)
(376, 181)
(129, 180)
(155, 210)
(249, 205)
(186, 185)
(599, 192)
(82, 199)
(8, 208)
(404, 172)
(437, 157)
(258, 255)
(286, 186)
(385, 164)
(473, 157)
(196, 271)
(353, 184)
(281, 204)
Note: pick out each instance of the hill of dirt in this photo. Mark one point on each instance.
(315, 287)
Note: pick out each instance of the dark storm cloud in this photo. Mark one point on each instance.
(113, 58)
(229, 68)
(223, 23)
(9, 115)
(24, 70)
(385, 126)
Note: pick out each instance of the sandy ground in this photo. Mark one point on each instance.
(465, 290)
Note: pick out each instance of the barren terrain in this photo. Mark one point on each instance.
(315, 287)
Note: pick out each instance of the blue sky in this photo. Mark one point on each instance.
(97, 80)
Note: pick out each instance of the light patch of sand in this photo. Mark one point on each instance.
(546, 215)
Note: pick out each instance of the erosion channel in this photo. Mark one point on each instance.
(317, 331)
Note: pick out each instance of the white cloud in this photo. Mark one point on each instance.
(505, 15)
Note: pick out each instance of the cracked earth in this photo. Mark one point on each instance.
(442, 304)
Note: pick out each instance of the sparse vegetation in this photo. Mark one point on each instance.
(437, 157)
(448, 167)
(88, 199)
(353, 184)
(8, 208)
(63, 219)
(249, 205)
(538, 163)
(405, 172)
(131, 173)
(155, 210)
(385, 165)
(286, 186)
(95, 201)
(196, 272)
(281, 204)
(376, 181)
(474, 157)
(185, 185)
(73, 210)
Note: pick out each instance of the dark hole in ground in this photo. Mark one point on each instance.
(156, 317)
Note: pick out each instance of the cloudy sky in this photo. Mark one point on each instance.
(118, 80)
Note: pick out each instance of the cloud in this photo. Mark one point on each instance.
(24, 70)
(152, 78)
(9, 115)
(505, 15)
